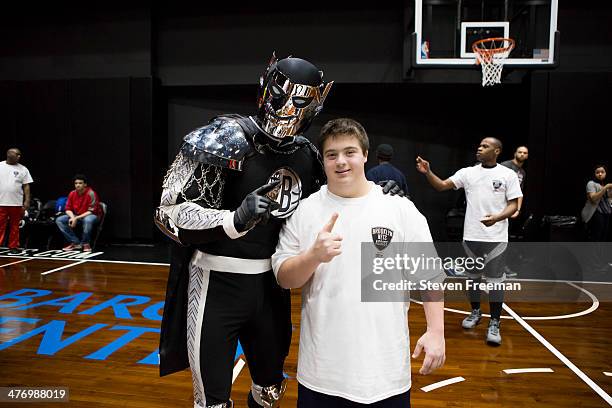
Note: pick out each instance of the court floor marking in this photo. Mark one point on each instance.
(48, 258)
(16, 262)
(528, 370)
(63, 267)
(440, 384)
(594, 306)
(591, 309)
(606, 397)
(560, 281)
(521, 320)
(123, 262)
(237, 369)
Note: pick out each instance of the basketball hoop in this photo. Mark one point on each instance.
(491, 54)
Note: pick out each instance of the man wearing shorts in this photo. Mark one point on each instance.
(492, 192)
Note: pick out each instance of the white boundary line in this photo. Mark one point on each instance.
(546, 280)
(561, 281)
(591, 309)
(528, 370)
(63, 267)
(440, 384)
(237, 369)
(121, 262)
(607, 374)
(16, 262)
(47, 258)
(606, 397)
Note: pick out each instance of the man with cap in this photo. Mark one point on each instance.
(385, 170)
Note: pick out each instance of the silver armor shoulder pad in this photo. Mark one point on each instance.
(221, 143)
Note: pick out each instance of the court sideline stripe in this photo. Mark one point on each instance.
(16, 262)
(237, 369)
(560, 281)
(528, 370)
(48, 258)
(440, 384)
(606, 397)
(62, 267)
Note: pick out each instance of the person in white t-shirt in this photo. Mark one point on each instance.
(352, 352)
(15, 182)
(492, 192)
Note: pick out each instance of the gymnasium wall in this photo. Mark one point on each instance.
(111, 91)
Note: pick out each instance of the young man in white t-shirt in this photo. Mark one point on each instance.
(352, 352)
(492, 192)
(15, 183)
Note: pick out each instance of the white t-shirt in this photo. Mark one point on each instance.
(12, 178)
(356, 350)
(487, 191)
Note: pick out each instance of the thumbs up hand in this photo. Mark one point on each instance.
(327, 245)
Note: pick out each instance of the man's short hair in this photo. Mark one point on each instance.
(496, 142)
(344, 126)
(80, 177)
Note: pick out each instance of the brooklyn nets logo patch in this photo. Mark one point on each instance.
(381, 236)
(288, 192)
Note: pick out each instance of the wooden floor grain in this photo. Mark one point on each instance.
(122, 380)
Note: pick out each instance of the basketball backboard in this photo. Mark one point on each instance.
(444, 31)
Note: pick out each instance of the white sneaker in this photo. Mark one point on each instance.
(493, 333)
(472, 320)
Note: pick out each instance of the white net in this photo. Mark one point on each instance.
(491, 55)
(491, 70)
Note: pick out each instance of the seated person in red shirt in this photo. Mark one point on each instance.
(83, 206)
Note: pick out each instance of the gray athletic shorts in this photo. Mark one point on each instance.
(494, 263)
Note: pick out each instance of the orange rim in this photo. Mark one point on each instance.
(487, 53)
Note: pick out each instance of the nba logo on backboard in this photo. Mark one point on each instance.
(425, 50)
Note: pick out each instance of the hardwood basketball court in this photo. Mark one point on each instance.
(98, 331)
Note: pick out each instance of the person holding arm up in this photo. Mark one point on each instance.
(352, 352)
(492, 192)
